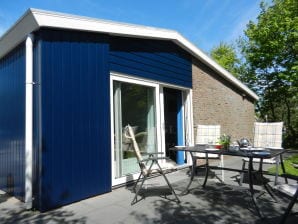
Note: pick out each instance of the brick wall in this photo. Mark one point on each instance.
(216, 101)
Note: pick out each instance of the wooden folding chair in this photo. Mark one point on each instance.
(148, 167)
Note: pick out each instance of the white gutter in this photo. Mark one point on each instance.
(29, 121)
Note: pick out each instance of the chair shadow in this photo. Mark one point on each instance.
(256, 180)
(151, 189)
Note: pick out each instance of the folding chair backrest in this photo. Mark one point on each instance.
(207, 134)
(268, 134)
(129, 133)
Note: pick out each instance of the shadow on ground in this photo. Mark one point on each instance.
(216, 203)
(11, 216)
(21, 215)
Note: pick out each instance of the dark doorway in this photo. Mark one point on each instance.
(172, 111)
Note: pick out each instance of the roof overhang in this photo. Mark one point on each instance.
(34, 19)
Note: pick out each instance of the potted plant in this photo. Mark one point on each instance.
(225, 141)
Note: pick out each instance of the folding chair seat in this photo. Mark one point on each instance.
(149, 167)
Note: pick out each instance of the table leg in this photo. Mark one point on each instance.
(276, 169)
(283, 167)
(266, 186)
(250, 175)
(193, 171)
(207, 170)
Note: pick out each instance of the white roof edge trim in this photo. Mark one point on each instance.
(66, 21)
(36, 18)
(91, 19)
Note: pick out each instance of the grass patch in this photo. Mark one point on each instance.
(290, 169)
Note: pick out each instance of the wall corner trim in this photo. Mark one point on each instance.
(29, 122)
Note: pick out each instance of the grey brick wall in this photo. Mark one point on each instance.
(216, 101)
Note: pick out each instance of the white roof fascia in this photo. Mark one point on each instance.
(67, 21)
(35, 18)
(17, 33)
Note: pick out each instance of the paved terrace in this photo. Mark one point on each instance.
(217, 203)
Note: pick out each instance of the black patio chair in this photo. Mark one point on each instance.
(209, 134)
(266, 135)
(291, 190)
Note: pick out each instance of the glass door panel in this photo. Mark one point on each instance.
(134, 105)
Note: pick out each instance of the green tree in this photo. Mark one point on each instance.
(225, 55)
(270, 47)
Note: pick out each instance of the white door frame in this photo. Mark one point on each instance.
(160, 125)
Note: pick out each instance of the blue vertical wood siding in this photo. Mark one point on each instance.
(12, 122)
(151, 59)
(76, 150)
(72, 151)
(72, 115)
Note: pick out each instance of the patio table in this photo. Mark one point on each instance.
(250, 153)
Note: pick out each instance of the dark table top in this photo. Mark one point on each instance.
(264, 153)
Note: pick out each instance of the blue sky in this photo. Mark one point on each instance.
(204, 22)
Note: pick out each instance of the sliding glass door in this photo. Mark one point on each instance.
(154, 111)
(134, 104)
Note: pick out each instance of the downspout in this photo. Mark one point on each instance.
(29, 122)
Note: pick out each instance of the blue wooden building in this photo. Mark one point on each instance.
(68, 86)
